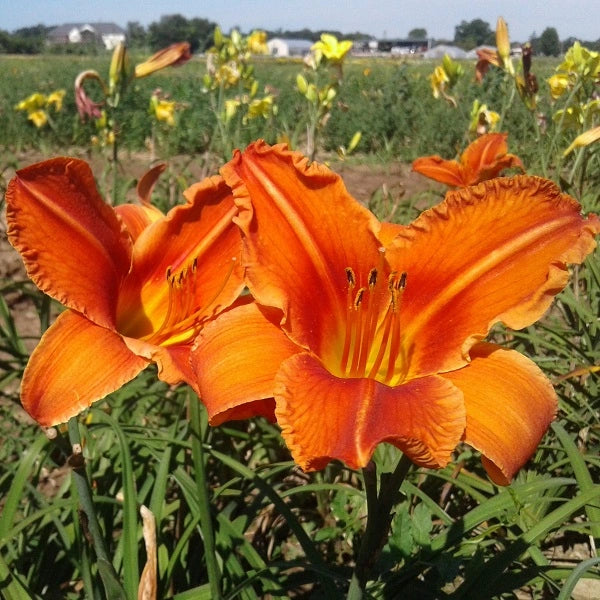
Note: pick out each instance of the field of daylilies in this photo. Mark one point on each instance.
(222, 376)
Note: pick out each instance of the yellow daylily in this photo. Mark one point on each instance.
(330, 48)
(38, 117)
(56, 99)
(33, 102)
(257, 42)
(163, 110)
(260, 107)
(559, 83)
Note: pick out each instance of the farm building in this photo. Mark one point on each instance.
(288, 47)
(107, 34)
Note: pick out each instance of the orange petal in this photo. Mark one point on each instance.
(301, 230)
(494, 252)
(173, 361)
(148, 181)
(235, 359)
(510, 405)
(200, 232)
(70, 240)
(324, 418)
(136, 218)
(486, 157)
(75, 364)
(444, 171)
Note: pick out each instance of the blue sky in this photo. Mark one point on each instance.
(389, 18)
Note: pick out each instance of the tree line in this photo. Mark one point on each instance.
(199, 33)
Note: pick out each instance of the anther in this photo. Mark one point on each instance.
(372, 278)
(359, 297)
(402, 282)
(350, 277)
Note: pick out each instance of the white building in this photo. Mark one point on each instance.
(107, 34)
(288, 47)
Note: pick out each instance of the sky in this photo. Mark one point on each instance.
(380, 18)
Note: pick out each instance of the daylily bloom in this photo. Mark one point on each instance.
(483, 159)
(38, 117)
(330, 48)
(138, 285)
(257, 42)
(174, 55)
(56, 99)
(362, 334)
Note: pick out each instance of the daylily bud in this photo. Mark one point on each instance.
(502, 40)
(119, 63)
(173, 55)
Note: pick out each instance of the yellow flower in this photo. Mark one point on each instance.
(38, 117)
(483, 120)
(33, 102)
(163, 110)
(559, 83)
(260, 108)
(56, 99)
(330, 48)
(257, 42)
(439, 78)
(231, 106)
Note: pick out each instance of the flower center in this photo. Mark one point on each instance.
(372, 337)
(185, 312)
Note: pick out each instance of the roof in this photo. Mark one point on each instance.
(100, 28)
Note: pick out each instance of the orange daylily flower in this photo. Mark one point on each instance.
(483, 159)
(362, 333)
(138, 285)
(174, 55)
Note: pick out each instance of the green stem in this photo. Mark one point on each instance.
(110, 579)
(379, 519)
(196, 427)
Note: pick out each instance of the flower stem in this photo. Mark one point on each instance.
(196, 428)
(110, 579)
(379, 519)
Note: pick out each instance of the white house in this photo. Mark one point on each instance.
(107, 34)
(288, 47)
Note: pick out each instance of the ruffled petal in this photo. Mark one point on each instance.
(198, 242)
(444, 171)
(71, 242)
(494, 252)
(235, 360)
(325, 418)
(301, 230)
(510, 405)
(75, 364)
(486, 157)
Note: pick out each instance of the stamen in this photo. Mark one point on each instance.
(182, 315)
(350, 319)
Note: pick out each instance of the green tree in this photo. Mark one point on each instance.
(419, 33)
(176, 28)
(473, 33)
(136, 35)
(549, 43)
